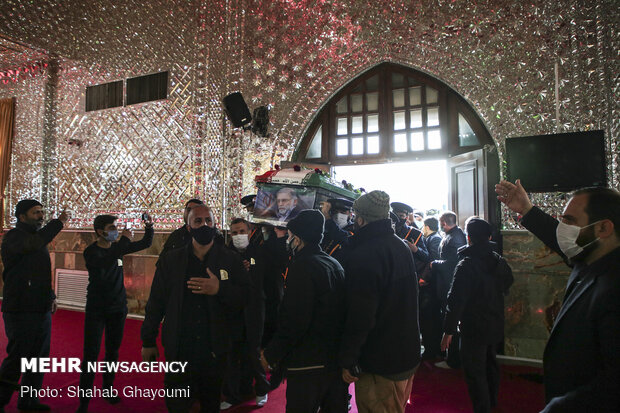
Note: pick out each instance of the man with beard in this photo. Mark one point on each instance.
(286, 204)
(180, 237)
(337, 213)
(582, 357)
(195, 290)
(28, 299)
(412, 236)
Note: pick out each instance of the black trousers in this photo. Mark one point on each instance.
(310, 390)
(244, 372)
(430, 321)
(481, 373)
(29, 336)
(94, 325)
(203, 376)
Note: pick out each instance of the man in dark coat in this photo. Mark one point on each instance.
(311, 321)
(430, 308)
(180, 237)
(476, 300)
(195, 290)
(337, 213)
(442, 272)
(244, 365)
(380, 347)
(28, 299)
(106, 298)
(582, 357)
(412, 236)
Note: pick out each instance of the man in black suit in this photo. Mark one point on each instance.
(582, 357)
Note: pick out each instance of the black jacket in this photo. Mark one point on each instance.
(106, 284)
(381, 333)
(27, 272)
(276, 261)
(311, 315)
(443, 269)
(432, 244)
(415, 236)
(335, 240)
(582, 357)
(476, 298)
(167, 291)
(178, 238)
(254, 312)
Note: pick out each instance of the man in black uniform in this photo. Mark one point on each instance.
(180, 237)
(311, 322)
(195, 290)
(244, 362)
(28, 300)
(412, 236)
(337, 213)
(582, 357)
(106, 298)
(476, 300)
(430, 311)
(442, 271)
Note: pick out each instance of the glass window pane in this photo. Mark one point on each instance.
(400, 142)
(356, 103)
(434, 139)
(416, 118)
(433, 116)
(358, 146)
(372, 83)
(398, 97)
(357, 124)
(417, 141)
(467, 136)
(431, 95)
(314, 151)
(341, 106)
(342, 126)
(399, 120)
(359, 88)
(415, 96)
(373, 144)
(373, 123)
(398, 80)
(372, 101)
(342, 147)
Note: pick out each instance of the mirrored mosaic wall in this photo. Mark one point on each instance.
(527, 68)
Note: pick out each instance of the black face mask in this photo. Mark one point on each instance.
(203, 235)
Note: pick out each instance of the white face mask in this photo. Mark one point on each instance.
(241, 241)
(342, 220)
(419, 224)
(567, 238)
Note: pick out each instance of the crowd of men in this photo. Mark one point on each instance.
(346, 294)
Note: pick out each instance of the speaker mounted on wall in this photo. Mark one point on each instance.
(237, 110)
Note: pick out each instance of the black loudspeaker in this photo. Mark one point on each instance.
(237, 111)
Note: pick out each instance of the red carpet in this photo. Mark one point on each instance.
(434, 390)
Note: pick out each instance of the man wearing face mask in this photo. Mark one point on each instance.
(195, 290)
(106, 298)
(582, 357)
(418, 219)
(180, 237)
(244, 362)
(311, 321)
(337, 213)
(412, 236)
(28, 299)
(380, 348)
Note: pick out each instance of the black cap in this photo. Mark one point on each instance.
(478, 228)
(400, 207)
(341, 203)
(308, 225)
(24, 206)
(248, 200)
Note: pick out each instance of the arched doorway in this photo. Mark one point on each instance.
(392, 113)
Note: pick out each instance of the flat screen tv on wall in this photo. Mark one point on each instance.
(559, 162)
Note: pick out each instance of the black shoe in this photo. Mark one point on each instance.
(113, 399)
(33, 407)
